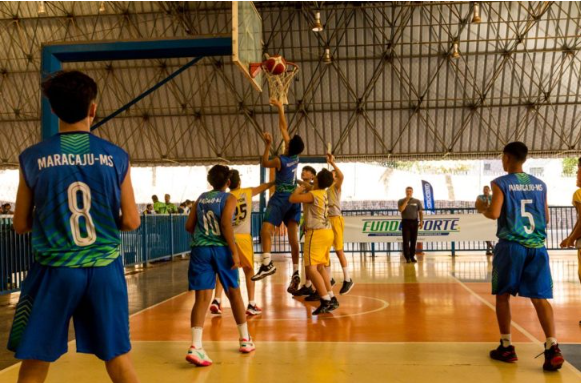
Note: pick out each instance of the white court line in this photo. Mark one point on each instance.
(514, 324)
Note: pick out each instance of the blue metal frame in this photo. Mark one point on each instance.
(53, 55)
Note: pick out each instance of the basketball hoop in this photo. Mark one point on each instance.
(278, 84)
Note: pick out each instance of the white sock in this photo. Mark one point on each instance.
(265, 259)
(549, 342)
(252, 303)
(331, 294)
(243, 331)
(346, 276)
(326, 297)
(505, 339)
(308, 283)
(219, 300)
(197, 337)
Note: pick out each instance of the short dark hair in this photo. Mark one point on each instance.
(296, 145)
(148, 205)
(234, 179)
(409, 187)
(188, 202)
(218, 176)
(325, 179)
(517, 150)
(154, 198)
(579, 162)
(309, 169)
(70, 94)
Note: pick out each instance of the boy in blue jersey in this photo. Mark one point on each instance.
(521, 262)
(72, 187)
(279, 208)
(214, 252)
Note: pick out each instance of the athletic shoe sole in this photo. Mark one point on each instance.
(253, 312)
(555, 365)
(197, 361)
(247, 350)
(264, 275)
(348, 290)
(510, 360)
(216, 311)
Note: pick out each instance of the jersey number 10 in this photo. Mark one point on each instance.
(78, 212)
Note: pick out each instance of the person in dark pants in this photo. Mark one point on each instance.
(411, 209)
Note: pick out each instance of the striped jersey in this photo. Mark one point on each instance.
(242, 216)
(76, 182)
(317, 213)
(208, 231)
(523, 216)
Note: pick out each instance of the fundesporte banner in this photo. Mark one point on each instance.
(437, 228)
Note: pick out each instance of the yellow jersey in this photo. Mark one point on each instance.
(317, 213)
(242, 217)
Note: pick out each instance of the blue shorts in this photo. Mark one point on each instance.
(521, 270)
(96, 299)
(280, 210)
(208, 261)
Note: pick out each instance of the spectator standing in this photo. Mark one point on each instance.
(158, 206)
(170, 207)
(411, 209)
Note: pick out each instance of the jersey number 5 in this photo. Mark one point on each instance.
(78, 212)
(525, 214)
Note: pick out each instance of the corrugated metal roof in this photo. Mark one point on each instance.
(392, 89)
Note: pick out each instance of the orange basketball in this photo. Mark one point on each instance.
(275, 64)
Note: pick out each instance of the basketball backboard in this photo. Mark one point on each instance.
(247, 43)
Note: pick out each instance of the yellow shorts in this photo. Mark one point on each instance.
(317, 246)
(338, 226)
(245, 249)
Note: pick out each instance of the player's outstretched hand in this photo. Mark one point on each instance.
(267, 138)
(276, 103)
(330, 158)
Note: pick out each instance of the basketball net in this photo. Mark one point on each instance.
(278, 84)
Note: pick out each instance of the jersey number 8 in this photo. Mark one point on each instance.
(78, 212)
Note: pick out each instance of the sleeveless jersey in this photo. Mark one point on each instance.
(76, 182)
(317, 213)
(242, 217)
(208, 231)
(523, 218)
(334, 196)
(286, 178)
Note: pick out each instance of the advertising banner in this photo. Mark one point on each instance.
(437, 228)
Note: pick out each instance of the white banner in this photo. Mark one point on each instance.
(437, 228)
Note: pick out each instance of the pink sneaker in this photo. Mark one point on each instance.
(246, 346)
(198, 357)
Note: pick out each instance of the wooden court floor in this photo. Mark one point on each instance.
(429, 322)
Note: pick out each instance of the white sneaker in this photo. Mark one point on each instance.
(198, 357)
(246, 346)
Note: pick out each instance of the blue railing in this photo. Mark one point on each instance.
(162, 236)
(159, 237)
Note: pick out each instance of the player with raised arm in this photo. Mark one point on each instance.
(279, 208)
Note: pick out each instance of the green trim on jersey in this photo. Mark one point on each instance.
(75, 143)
